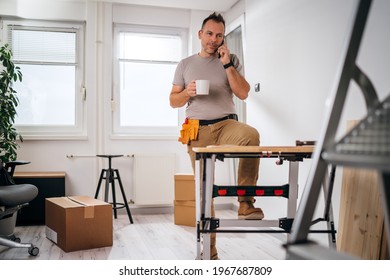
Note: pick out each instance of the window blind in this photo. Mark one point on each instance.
(43, 46)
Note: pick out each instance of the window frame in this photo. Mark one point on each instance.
(231, 27)
(142, 132)
(57, 132)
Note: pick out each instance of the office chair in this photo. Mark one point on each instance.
(12, 198)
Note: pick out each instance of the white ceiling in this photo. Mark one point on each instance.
(209, 5)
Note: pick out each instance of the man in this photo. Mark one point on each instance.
(211, 118)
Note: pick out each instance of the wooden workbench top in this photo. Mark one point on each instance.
(255, 149)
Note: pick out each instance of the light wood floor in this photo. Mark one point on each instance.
(154, 237)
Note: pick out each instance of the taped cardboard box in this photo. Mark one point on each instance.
(184, 213)
(78, 222)
(184, 187)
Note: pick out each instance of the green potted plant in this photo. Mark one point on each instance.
(8, 103)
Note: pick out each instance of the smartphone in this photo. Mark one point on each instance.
(223, 42)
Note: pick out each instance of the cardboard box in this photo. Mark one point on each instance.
(78, 222)
(184, 213)
(184, 187)
(184, 204)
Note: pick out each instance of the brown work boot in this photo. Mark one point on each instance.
(248, 212)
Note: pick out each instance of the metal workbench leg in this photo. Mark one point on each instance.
(293, 189)
(209, 168)
(198, 209)
(328, 211)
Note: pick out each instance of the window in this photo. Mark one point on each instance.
(51, 60)
(144, 65)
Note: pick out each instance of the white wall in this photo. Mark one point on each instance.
(294, 50)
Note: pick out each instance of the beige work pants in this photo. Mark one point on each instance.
(231, 132)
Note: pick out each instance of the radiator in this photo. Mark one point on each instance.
(154, 179)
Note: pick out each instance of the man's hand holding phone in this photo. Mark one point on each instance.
(223, 53)
(223, 42)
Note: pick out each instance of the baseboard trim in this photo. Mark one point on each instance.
(168, 209)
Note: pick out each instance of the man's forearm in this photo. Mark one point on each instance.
(238, 84)
(179, 99)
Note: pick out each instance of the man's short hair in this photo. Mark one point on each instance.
(214, 17)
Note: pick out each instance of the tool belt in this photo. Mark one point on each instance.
(189, 131)
(190, 128)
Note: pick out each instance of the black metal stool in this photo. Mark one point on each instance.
(110, 175)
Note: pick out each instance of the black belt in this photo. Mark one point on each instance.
(228, 117)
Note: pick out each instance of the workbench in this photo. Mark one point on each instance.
(206, 190)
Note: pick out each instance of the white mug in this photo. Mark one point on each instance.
(202, 87)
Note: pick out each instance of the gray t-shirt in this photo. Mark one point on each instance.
(219, 102)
